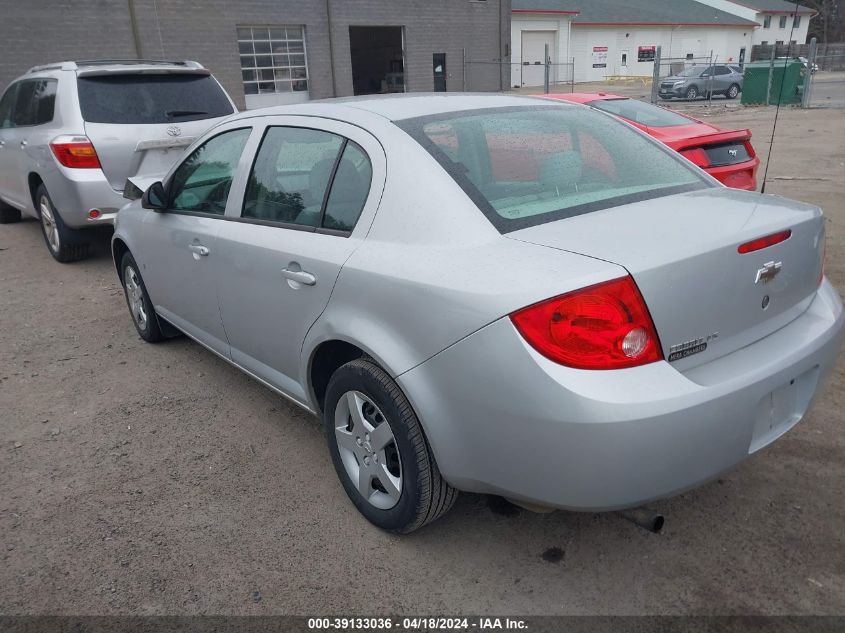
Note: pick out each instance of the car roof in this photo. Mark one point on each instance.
(583, 97)
(103, 66)
(397, 107)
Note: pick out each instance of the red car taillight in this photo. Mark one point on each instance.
(697, 155)
(75, 151)
(606, 326)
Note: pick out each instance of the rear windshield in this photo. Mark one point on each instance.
(145, 98)
(525, 166)
(640, 112)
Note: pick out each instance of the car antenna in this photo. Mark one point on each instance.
(780, 98)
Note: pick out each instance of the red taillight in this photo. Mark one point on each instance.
(697, 155)
(75, 151)
(606, 326)
(764, 242)
(750, 149)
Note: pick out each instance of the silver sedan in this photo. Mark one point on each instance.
(487, 293)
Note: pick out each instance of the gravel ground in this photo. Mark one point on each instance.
(142, 479)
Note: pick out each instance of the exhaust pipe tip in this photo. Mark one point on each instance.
(646, 519)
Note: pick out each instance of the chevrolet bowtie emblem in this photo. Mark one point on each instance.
(768, 272)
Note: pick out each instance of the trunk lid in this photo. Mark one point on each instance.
(142, 150)
(706, 299)
(140, 121)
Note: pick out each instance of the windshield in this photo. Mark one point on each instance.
(525, 166)
(692, 71)
(145, 98)
(640, 112)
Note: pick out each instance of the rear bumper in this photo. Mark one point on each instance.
(502, 419)
(739, 176)
(75, 192)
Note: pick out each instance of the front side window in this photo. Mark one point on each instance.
(151, 98)
(525, 166)
(7, 106)
(201, 184)
(273, 59)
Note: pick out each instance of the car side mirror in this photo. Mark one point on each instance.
(155, 197)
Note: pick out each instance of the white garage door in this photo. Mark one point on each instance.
(533, 47)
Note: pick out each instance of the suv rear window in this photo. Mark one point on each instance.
(524, 166)
(146, 98)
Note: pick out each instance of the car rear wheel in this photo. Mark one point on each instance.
(379, 450)
(64, 244)
(9, 214)
(140, 307)
(732, 92)
(692, 93)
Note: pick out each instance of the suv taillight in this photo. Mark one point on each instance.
(606, 326)
(75, 151)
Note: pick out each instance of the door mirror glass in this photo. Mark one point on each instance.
(155, 197)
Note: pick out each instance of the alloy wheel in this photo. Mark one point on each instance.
(48, 224)
(368, 450)
(135, 295)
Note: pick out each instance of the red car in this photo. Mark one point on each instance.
(726, 155)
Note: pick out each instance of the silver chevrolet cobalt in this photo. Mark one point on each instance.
(487, 293)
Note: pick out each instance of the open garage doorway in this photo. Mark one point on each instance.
(378, 59)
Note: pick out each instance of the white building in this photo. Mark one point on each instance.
(619, 37)
(779, 21)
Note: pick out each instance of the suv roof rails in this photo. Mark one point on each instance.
(105, 62)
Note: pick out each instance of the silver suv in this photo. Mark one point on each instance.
(72, 133)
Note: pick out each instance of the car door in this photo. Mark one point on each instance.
(34, 110)
(308, 201)
(723, 79)
(8, 155)
(179, 245)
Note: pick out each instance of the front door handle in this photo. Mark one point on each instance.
(199, 250)
(23, 144)
(299, 276)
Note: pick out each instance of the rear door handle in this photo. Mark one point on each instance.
(199, 250)
(299, 276)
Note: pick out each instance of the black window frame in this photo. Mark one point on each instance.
(415, 128)
(12, 93)
(168, 187)
(305, 227)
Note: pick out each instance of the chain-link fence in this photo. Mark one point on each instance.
(536, 77)
(669, 77)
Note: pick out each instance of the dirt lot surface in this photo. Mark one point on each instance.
(151, 479)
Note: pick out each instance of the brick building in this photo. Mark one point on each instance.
(268, 52)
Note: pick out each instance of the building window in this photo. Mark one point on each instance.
(273, 59)
(796, 21)
(764, 43)
(767, 22)
(782, 22)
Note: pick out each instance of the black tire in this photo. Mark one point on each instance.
(691, 93)
(732, 92)
(8, 215)
(64, 243)
(149, 328)
(425, 495)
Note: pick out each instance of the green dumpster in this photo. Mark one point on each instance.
(787, 81)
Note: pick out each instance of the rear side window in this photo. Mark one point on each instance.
(308, 178)
(6, 106)
(526, 166)
(640, 112)
(146, 98)
(35, 102)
